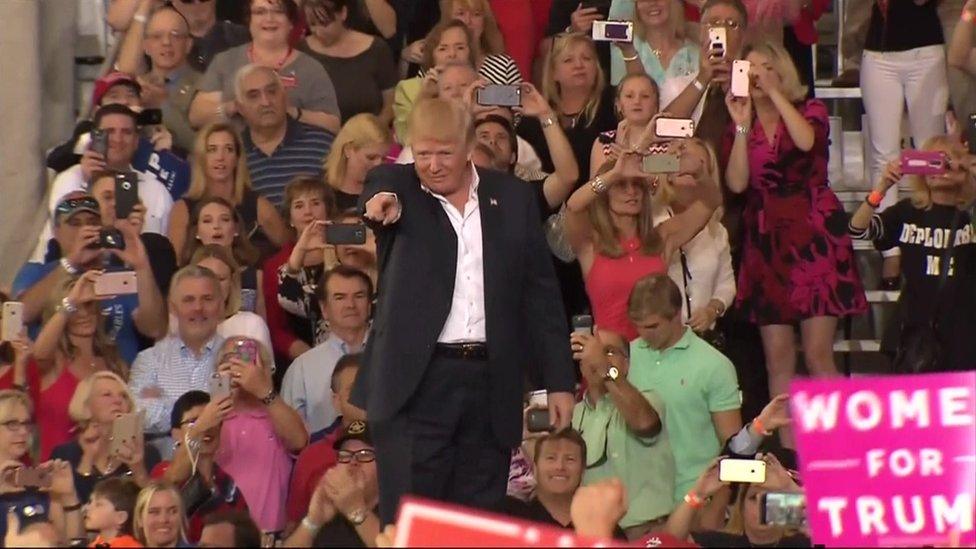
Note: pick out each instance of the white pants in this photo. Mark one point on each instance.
(889, 81)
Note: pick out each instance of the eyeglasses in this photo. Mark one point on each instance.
(362, 456)
(173, 35)
(14, 425)
(264, 12)
(728, 23)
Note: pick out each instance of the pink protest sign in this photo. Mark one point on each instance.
(888, 461)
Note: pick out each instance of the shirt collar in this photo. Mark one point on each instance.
(472, 191)
(683, 342)
(293, 129)
(336, 342)
(208, 347)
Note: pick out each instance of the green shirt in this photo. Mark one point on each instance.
(694, 379)
(645, 465)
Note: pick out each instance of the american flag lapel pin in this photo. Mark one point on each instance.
(492, 201)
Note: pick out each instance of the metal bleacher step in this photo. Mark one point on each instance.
(857, 346)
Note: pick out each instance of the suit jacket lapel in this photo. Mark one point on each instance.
(491, 219)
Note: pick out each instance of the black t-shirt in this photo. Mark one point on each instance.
(339, 532)
(71, 452)
(713, 538)
(905, 26)
(375, 72)
(345, 201)
(534, 511)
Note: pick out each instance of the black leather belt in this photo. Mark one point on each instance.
(462, 351)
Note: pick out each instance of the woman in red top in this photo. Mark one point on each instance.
(71, 346)
(611, 230)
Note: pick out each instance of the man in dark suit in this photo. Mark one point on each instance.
(467, 294)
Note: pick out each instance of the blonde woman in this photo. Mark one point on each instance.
(921, 227)
(360, 146)
(573, 83)
(159, 519)
(798, 265)
(98, 400)
(220, 171)
(636, 106)
(660, 48)
(702, 268)
(610, 227)
(71, 346)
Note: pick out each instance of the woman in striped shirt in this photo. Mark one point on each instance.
(496, 66)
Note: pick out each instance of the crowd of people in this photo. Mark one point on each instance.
(267, 203)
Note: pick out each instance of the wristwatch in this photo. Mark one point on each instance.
(270, 397)
(612, 374)
(357, 517)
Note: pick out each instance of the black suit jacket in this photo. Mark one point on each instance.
(418, 260)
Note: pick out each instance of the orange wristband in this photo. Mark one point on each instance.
(874, 199)
(758, 426)
(966, 17)
(693, 501)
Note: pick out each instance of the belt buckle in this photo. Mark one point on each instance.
(469, 350)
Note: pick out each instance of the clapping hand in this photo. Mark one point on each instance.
(597, 508)
(346, 488)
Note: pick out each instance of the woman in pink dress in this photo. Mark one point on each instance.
(798, 263)
(610, 227)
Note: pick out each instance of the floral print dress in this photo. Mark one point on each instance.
(798, 261)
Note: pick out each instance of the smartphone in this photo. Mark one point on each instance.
(13, 321)
(110, 238)
(537, 420)
(99, 141)
(742, 470)
(583, 324)
(740, 78)
(149, 117)
(29, 513)
(126, 194)
(717, 40)
(219, 386)
(971, 133)
(783, 509)
(126, 428)
(116, 283)
(613, 31)
(660, 163)
(923, 162)
(674, 127)
(247, 351)
(32, 477)
(501, 96)
(345, 234)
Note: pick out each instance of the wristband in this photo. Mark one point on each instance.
(546, 121)
(874, 199)
(741, 130)
(634, 58)
(760, 428)
(598, 185)
(311, 526)
(72, 270)
(698, 85)
(966, 16)
(693, 501)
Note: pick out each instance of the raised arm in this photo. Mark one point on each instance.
(131, 54)
(150, 316)
(737, 170)
(959, 53)
(861, 226)
(558, 186)
(383, 16)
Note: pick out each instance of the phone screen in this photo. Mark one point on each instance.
(616, 31)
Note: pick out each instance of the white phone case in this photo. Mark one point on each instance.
(116, 283)
(13, 320)
(742, 470)
(675, 127)
(717, 41)
(599, 31)
(740, 78)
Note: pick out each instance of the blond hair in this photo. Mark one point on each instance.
(606, 235)
(222, 254)
(784, 67)
(79, 408)
(198, 181)
(676, 22)
(666, 193)
(440, 120)
(10, 398)
(360, 131)
(921, 192)
(550, 88)
(491, 42)
(141, 509)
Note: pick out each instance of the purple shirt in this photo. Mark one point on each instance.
(256, 458)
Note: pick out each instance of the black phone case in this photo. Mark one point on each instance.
(126, 194)
(537, 421)
(345, 234)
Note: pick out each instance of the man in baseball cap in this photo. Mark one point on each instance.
(117, 87)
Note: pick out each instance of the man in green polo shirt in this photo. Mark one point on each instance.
(697, 383)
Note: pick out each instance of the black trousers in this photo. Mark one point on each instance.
(441, 445)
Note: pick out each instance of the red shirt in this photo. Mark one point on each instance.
(281, 334)
(312, 463)
(33, 381)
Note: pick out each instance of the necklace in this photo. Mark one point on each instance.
(278, 65)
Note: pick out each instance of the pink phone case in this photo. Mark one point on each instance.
(923, 162)
(740, 78)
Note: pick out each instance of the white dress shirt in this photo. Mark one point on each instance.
(709, 262)
(466, 321)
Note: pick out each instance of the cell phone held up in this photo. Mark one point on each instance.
(740, 78)
(220, 385)
(783, 509)
(345, 234)
(126, 429)
(116, 283)
(660, 163)
(13, 321)
(674, 128)
(537, 421)
(126, 194)
(717, 42)
(742, 470)
(247, 351)
(923, 162)
(496, 95)
(99, 141)
(613, 31)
